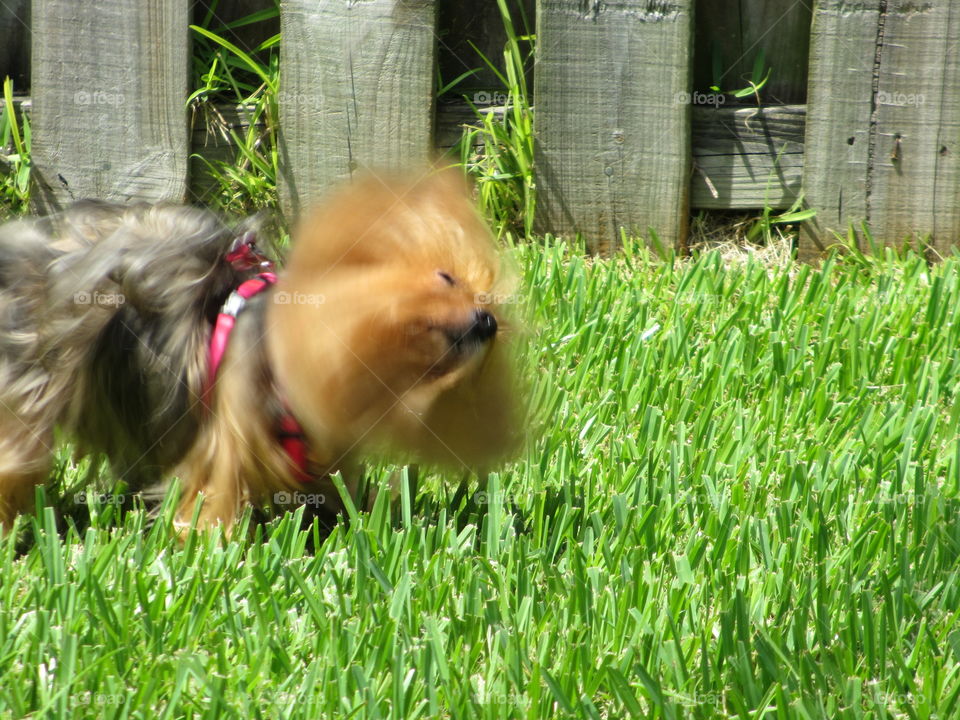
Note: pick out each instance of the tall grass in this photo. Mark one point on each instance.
(226, 74)
(14, 157)
(497, 152)
(740, 500)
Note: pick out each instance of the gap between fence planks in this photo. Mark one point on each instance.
(15, 45)
(731, 35)
(109, 86)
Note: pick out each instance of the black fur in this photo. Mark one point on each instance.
(111, 307)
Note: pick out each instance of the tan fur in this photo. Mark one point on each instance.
(376, 363)
(24, 464)
(386, 334)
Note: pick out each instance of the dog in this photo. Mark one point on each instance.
(163, 339)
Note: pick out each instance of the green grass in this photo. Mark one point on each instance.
(225, 74)
(14, 157)
(741, 501)
(497, 151)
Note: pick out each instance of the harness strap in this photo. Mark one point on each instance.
(289, 433)
(227, 319)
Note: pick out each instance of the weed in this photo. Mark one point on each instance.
(226, 73)
(498, 152)
(14, 157)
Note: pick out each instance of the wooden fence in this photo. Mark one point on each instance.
(636, 121)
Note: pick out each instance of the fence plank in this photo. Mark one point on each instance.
(109, 86)
(357, 90)
(613, 119)
(747, 158)
(917, 125)
(838, 135)
(883, 122)
(946, 227)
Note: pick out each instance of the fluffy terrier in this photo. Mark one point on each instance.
(161, 338)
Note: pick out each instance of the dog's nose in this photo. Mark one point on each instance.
(484, 325)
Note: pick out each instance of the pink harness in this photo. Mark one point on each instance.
(246, 257)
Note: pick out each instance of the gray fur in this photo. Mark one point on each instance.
(105, 318)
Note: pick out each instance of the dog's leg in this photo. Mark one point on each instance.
(24, 464)
(210, 471)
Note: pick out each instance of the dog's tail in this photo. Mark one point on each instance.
(109, 306)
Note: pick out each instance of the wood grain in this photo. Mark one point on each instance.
(109, 87)
(883, 124)
(747, 158)
(612, 126)
(916, 164)
(839, 113)
(357, 91)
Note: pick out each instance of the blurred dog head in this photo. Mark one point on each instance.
(389, 326)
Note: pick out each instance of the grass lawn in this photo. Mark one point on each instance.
(741, 501)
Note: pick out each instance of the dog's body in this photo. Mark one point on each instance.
(381, 332)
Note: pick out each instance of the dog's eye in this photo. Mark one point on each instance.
(446, 278)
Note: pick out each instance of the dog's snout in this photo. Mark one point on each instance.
(484, 325)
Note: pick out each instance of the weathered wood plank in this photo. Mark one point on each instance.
(886, 79)
(731, 34)
(451, 119)
(735, 147)
(612, 125)
(917, 125)
(747, 158)
(946, 233)
(838, 138)
(357, 90)
(109, 85)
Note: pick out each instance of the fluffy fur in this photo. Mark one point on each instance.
(384, 333)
